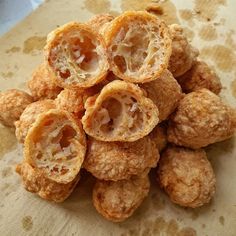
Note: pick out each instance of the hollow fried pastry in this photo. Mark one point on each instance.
(118, 160)
(117, 201)
(187, 176)
(29, 116)
(42, 84)
(198, 77)
(120, 112)
(183, 54)
(139, 46)
(201, 119)
(165, 92)
(34, 181)
(12, 104)
(76, 54)
(56, 145)
(159, 136)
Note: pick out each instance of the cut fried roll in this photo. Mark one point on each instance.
(76, 54)
(120, 112)
(56, 145)
(139, 46)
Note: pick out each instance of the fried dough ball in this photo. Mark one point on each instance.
(117, 201)
(159, 136)
(187, 176)
(29, 116)
(42, 84)
(183, 54)
(198, 77)
(34, 181)
(201, 119)
(12, 103)
(165, 92)
(118, 160)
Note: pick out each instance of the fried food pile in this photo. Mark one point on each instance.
(118, 97)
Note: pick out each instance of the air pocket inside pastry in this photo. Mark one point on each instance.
(120, 112)
(139, 46)
(77, 55)
(56, 145)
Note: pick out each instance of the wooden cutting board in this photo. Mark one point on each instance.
(210, 27)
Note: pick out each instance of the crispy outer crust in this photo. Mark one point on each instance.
(198, 77)
(138, 19)
(29, 115)
(183, 54)
(12, 103)
(165, 92)
(42, 84)
(124, 127)
(34, 181)
(54, 148)
(117, 160)
(187, 176)
(60, 34)
(201, 119)
(117, 201)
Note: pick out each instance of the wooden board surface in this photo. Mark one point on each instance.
(210, 27)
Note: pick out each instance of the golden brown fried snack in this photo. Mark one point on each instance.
(120, 112)
(42, 84)
(139, 46)
(201, 119)
(34, 181)
(116, 160)
(183, 54)
(165, 92)
(117, 201)
(12, 103)
(187, 176)
(56, 145)
(100, 22)
(198, 77)
(29, 116)
(159, 136)
(77, 55)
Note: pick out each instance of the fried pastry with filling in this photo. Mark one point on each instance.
(56, 145)
(12, 103)
(165, 92)
(29, 116)
(76, 54)
(116, 201)
(34, 181)
(187, 176)
(120, 160)
(120, 112)
(139, 46)
(201, 119)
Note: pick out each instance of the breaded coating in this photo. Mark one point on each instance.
(100, 22)
(77, 55)
(56, 144)
(159, 136)
(198, 77)
(201, 119)
(118, 160)
(34, 181)
(187, 176)
(29, 116)
(117, 201)
(183, 54)
(12, 103)
(165, 92)
(42, 84)
(139, 46)
(120, 112)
